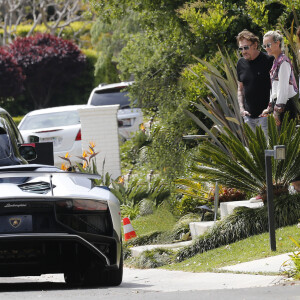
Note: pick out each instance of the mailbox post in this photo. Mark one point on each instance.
(279, 154)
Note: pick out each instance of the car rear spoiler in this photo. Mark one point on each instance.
(9, 174)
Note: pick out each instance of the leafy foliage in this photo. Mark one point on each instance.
(192, 187)
(132, 193)
(153, 47)
(153, 259)
(208, 20)
(190, 194)
(154, 42)
(168, 158)
(133, 151)
(224, 110)
(295, 257)
(109, 39)
(259, 13)
(48, 62)
(88, 166)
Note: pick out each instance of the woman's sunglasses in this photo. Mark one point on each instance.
(267, 45)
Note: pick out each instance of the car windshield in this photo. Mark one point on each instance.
(110, 97)
(53, 119)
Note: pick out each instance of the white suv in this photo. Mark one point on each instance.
(129, 119)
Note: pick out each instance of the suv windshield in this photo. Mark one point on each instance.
(110, 97)
(54, 119)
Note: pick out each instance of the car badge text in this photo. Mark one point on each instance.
(14, 205)
(15, 222)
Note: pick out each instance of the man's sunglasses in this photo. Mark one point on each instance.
(244, 48)
(267, 45)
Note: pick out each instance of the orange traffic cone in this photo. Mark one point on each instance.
(129, 232)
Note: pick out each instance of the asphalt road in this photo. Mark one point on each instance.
(155, 284)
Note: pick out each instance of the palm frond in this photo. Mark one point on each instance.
(243, 167)
(224, 110)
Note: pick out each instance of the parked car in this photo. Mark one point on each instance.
(60, 125)
(129, 118)
(53, 221)
(12, 150)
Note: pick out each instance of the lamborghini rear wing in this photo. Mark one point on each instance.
(30, 174)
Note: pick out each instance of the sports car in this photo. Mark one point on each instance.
(53, 221)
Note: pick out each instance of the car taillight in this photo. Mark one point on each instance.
(78, 136)
(82, 205)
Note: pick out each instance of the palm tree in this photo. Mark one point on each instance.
(234, 155)
(243, 167)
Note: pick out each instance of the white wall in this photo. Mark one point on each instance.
(99, 125)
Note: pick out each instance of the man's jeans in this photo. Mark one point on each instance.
(261, 121)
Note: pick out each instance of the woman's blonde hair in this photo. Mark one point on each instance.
(276, 36)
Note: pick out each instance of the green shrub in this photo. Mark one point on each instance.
(78, 90)
(181, 227)
(22, 30)
(68, 32)
(245, 222)
(146, 207)
(18, 119)
(74, 92)
(153, 259)
(295, 257)
(188, 205)
(130, 211)
(131, 193)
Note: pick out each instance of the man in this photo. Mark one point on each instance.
(254, 82)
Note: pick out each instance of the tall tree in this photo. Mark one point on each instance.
(54, 14)
(48, 63)
(109, 39)
(170, 33)
(154, 54)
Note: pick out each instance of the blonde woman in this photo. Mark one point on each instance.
(284, 86)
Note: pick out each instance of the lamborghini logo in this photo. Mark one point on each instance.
(15, 222)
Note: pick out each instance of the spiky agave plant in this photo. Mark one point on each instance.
(222, 106)
(243, 167)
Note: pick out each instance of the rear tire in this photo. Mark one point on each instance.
(73, 279)
(114, 277)
(94, 276)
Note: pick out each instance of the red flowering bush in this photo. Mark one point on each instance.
(11, 75)
(48, 63)
(228, 194)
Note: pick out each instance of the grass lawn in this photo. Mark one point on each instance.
(160, 220)
(245, 250)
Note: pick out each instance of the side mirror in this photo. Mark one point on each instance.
(28, 152)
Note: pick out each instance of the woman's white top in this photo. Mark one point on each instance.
(281, 89)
